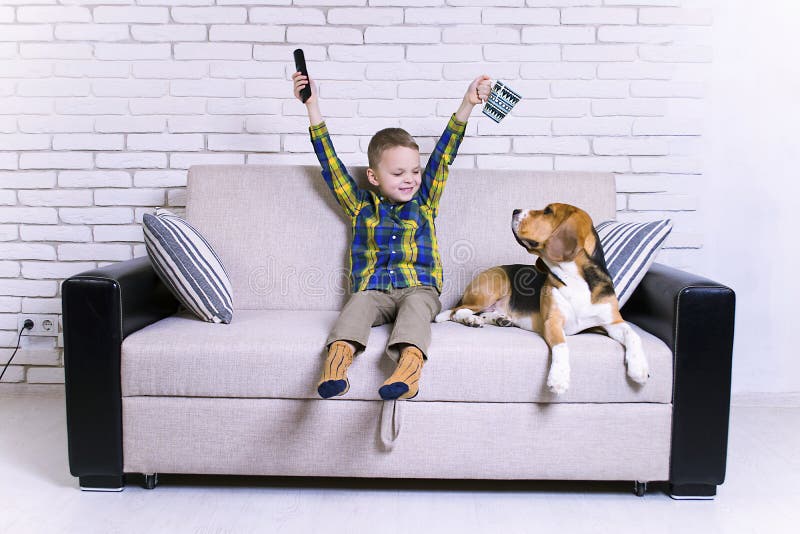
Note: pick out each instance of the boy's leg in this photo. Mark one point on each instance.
(409, 341)
(349, 336)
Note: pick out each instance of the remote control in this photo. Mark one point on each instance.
(300, 65)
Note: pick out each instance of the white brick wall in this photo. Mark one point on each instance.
(106, 104)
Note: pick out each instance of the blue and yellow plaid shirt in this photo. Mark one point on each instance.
(394, 245)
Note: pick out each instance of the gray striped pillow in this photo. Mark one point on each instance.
(630, 249)
(188, 266)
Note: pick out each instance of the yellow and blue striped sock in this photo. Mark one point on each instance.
(404, 382)
(334, 376)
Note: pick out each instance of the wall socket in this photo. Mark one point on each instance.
(43, 325)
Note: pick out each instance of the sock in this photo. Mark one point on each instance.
(334, 375)
(404, 382)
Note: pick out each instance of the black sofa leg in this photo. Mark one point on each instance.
(640, 488)
(102, 483)
(150, 481)
(692, 491)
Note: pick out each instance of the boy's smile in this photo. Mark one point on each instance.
(398, 175)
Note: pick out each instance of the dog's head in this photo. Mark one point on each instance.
(557, 233)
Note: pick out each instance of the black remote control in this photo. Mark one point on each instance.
(300, 65)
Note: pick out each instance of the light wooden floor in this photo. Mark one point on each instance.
(37, 493)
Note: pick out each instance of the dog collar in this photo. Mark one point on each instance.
(542, 267)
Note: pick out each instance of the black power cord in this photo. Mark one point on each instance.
(26, 326)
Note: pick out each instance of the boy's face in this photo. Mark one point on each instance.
(398, 174)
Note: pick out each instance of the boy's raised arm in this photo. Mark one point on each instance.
(344, 188)
(436, 171)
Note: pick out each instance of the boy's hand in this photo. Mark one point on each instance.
(312, 104)
(301, 81)
(479, 90)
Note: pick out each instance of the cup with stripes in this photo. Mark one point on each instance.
(502, 100)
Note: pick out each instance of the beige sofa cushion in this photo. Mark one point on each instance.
(284, 240)
(279, 354)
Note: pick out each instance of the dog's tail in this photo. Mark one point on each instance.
(446, 315)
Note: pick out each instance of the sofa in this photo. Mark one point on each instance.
(152, 389)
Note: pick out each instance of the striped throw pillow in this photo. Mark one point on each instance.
(630, 249)
(188, 266)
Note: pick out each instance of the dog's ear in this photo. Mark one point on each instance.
(564, 243)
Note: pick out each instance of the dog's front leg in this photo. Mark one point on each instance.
(635, 360)
(558, 377)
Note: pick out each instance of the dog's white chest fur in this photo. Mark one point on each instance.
(574, 300)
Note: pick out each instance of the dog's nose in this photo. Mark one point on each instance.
(516, 212)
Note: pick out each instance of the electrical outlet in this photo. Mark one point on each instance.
(43, 325)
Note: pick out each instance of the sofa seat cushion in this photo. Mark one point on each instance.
(279, 354)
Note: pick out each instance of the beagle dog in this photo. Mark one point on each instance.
(568, 290)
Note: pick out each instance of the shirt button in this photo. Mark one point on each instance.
(394, 237)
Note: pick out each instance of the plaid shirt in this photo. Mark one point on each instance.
(394, 245)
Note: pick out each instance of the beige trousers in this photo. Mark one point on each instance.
(411, 308)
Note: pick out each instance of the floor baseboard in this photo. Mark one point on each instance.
(787, 399)
(21, 389)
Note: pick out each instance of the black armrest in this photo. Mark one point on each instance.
(100, 308)
(694, 316)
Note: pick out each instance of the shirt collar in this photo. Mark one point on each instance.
(393, 205)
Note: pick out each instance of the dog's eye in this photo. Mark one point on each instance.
(547, 210)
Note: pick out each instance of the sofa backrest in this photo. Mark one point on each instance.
(284, 240)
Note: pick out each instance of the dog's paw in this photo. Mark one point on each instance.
(474, 321)
(638, 369)
(443, 316)
(558, 377)
(466, 317)
(496, 318)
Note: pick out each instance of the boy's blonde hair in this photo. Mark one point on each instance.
(388, 138)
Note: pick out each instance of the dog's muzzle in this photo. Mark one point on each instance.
(528, 244)
(516, 217)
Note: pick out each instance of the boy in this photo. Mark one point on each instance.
(395, 268)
